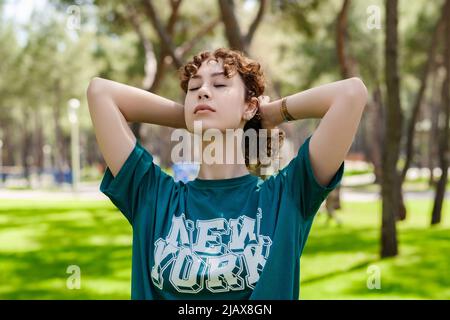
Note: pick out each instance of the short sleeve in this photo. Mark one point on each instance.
(306, 191)
(134, 184)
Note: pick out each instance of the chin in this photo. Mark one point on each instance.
(205, 125)
(210, 123)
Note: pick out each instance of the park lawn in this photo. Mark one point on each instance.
(40, 240)
(337, 261)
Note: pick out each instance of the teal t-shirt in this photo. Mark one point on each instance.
(237, 238)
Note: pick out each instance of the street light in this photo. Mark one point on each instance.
(74, 104)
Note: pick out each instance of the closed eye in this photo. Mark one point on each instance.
(217, 85)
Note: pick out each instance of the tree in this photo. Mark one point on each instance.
(233, 33)
(390, 180)
(411, 125)
(444, 133)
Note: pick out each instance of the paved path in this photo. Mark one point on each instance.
(86, 192)
(91, 191)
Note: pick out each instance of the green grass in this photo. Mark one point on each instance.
(39, 240)
(355, 172)
(417, 185)
(335, 262)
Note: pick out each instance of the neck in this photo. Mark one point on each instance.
(221, 171)
(214, 164)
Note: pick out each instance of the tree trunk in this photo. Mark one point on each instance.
(390, 182)
(26, 147)
(375, 119)
(38, 145)
(445, 132)
(347, 63)
(9, 145)
(58, 151)
(433, 133)
(401, 214)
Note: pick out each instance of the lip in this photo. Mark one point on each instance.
(203, 108)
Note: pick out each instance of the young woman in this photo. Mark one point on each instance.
(228, 234)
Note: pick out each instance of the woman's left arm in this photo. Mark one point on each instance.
(340, 105)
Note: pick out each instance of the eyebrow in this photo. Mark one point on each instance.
(197, 76)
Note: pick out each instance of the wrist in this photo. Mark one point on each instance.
(271, 112)
(284, 111)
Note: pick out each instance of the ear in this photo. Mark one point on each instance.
(251, 108)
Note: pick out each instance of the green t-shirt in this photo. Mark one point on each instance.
(237, 238)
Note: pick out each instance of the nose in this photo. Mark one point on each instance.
(203, 92)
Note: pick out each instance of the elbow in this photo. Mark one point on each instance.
(356, 91)
(95, 87)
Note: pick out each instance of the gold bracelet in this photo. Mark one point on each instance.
(284, 112)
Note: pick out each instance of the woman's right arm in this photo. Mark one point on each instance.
(113, 104)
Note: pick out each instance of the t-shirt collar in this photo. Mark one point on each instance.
(221, 183)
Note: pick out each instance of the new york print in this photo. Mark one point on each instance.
(227, 254)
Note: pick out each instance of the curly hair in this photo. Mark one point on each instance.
(253, 77)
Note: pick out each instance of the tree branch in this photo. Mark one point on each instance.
(232, 29)
(188, 45)
(254, 25)
(162, 33)
(173, 16)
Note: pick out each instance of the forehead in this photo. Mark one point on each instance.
(210, 68)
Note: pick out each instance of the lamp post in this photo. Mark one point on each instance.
(74, 104)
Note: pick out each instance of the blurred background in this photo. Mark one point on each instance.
(383, 234)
